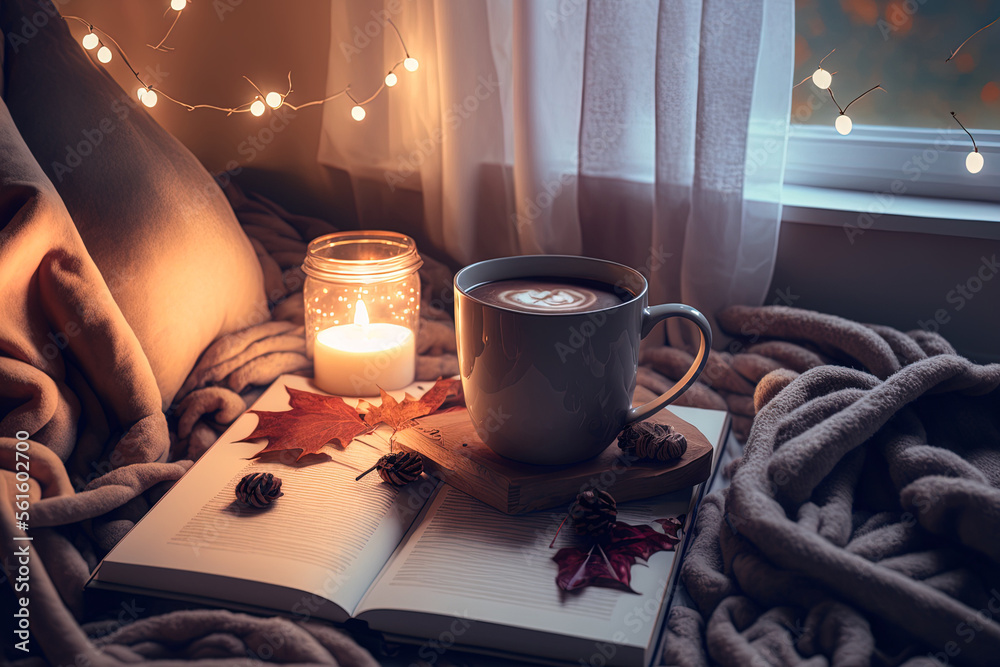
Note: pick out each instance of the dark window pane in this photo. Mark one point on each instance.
(901, 44)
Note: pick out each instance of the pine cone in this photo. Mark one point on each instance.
(258, 489)
(649, 440)
(400, 468)
(593, 513)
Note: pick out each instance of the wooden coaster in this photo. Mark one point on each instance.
(454, 453)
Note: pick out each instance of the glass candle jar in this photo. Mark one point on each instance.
(362, 310)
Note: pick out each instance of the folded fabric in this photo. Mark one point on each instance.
(152, 218)
(106, 307)
(862, 523)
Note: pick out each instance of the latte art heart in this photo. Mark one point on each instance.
(548, 296)
(549, 300)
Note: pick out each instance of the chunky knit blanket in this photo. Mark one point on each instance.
(862, 523)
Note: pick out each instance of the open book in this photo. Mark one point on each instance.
(423, 561)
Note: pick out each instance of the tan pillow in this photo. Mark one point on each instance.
(153, 219)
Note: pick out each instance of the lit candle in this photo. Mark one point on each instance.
(356, 359)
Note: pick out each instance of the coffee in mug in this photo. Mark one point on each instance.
(548, 350)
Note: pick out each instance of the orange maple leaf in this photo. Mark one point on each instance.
(313, 421)
(400, 415)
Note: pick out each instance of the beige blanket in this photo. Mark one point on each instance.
(121, 261)
(76, 386)
(89, 484)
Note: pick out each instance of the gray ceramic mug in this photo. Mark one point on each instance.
(556, 388)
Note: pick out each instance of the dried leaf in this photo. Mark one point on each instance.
(313, 421)
(579, 569)
(609, 564)
(400, 415)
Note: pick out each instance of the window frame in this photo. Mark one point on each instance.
(898, 161)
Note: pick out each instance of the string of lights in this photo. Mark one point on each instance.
(973, 161)
(843, 122)
(98, 39)
(823, 80)
(178, 7)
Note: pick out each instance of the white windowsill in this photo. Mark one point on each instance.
(888, 212)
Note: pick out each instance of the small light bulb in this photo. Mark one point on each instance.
(90, 41)
(843, 124)
(822, 78)
(358, 113)
(178, 5)
(974, 162)
(411, 64)
(257, 108)
(104, 54)
(149, 98)
(139, 93)
(391, 79)
(273, 99)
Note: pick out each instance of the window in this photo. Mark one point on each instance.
(904, 140)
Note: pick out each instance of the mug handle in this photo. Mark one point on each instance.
(651, 317)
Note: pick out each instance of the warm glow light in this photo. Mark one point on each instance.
(361, 313)
(843, 124)
(347, 354)
(974, 162)
(178, 5)
(822, 78)
(149, 98)
(104, 53)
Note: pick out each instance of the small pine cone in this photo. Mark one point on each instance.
(649, 440)
(593, 513)
(400, 468)
(258, 489)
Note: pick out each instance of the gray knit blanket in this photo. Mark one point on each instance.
(862, 523)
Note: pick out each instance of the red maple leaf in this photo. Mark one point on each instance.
(400, 415)
(609, 564)
(313, 421)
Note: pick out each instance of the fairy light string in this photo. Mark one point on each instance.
(98, 39)
(823, 80)
(973, 161)
(843, 122)
(177, 17)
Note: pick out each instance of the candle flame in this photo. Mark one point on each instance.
(361, 313)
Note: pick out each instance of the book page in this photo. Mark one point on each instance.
(326, 538)
(469, 561)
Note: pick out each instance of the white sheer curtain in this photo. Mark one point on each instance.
(648, 132)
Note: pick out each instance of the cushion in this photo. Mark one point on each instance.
(152, 218)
